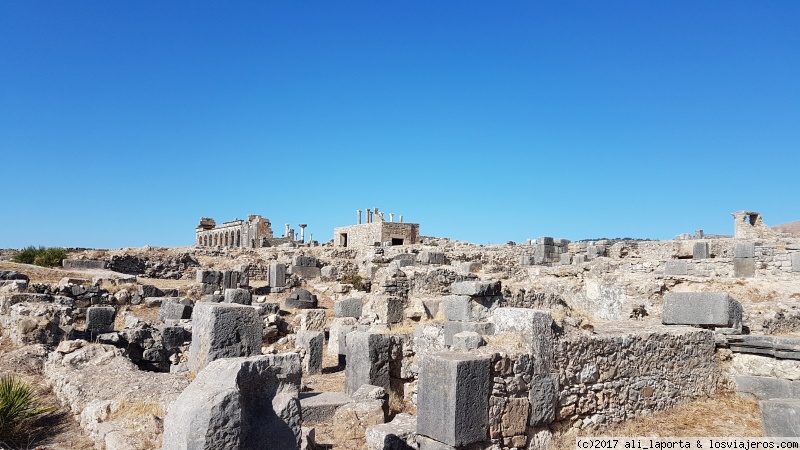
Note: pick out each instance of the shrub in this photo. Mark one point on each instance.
(19, 407)
(46, 257)
(355, 279)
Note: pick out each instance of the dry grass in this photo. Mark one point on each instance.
(137, 408)
(39, 274)
(726, 415)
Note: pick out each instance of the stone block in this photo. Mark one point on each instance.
(432, 258)
(744, 267)
(545, 240)
(173, 338)
(312, 342)
(306, 272)
(239, 403)
(700, 250)
(795, 256)
(764, 388)
(339, 328)
(301, 299)
(367, 360)
(457, 307)
(223, 330)
(312, 319)
(432, 307)
(209, 277)
(213, 298)
(173, 308)
(277, 275)
(100, 319)
(676, 268)
(240, 296)
(148, 290)
(780, 417)
(744, 250)
(579, 259)
(388, 309)
(451, 328)
(305, 261)
(453, 398)
(466, 341)
(476, 288)
(348, 307)
(83, 264)
(350, 423)
(399, 434)
(542, 397)
(319, 407)
(527, 260)
(716, 309)
(523, 320)
(565, 259)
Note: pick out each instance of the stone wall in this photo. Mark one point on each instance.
(368, 234)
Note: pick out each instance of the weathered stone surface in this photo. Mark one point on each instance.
(348, 307)
(83, 264)
(780, 417)
(312, 342)
(432, 307)
(744, 250)
(100, 319)
(223, 330)
(312, 320)
(744, 267)
(174, 309)
(36, 323)
(339, 328)
(319, 407)
(476, 288)
(764, 388)
(700, 250)
(451, 328)
(388, 309)
(277, 275)
(795, 256)
(426, 443)
(239, 403)
(399, 434)
(305, 261)
(457, 307)
(676, 267)
(240, 296)
(367, 360)
(306, 272)
(301, 299)
(702, 308)
(432, 258)
(350, 423)
(522, 320)
(542, 397)
(466, 341)
(453, 398)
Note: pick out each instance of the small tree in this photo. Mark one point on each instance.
(46, 257)
(19, 408)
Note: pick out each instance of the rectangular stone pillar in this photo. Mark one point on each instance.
(367, 360)
(223, 330)
(312, 342)
(277, 275)
(453, 398)
(700, 250)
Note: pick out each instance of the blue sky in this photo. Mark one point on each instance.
(122, 123)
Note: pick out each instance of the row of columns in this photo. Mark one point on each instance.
(290, 232)
(221, 238)
(371, 214)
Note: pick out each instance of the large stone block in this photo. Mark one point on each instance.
(432, 258)
(306, 272)
(542, 397)
(348, 307)
(339, 328)
(453, 398)
(466, 341)
(100, 319)
(388, 309)
(780, 417)
(223, 330)
(319, 407)
(451, 328)
(277, 275)
(350, 423)
(744, 250)
(476, 288)
(305, 261)
(716, 309)
(312, 319)
(676, 267)
(744, 267)
(367, 360)
(522, 320)
(174, 308)
(240, 296)
(795, 261)
(700, 250)
(764, 388)
(239, 403)
(301, 299)
(312, 342)
(457, 307)
(399, 434)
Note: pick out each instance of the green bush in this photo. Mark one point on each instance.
(19, 408)
(355, 279)
(46, 257)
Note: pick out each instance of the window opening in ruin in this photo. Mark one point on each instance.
(397, 241)
(343, 239)
(753, 218)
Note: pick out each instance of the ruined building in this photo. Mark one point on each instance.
(750, 225)
(376, 231)
(256, 232)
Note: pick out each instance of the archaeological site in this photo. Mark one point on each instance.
(383, 338)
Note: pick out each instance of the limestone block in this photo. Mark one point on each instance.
(432, 258)
(348, 307)
(240, 296)
(223, 330)
(319, 407)
(350, 423)
(780, 417)
(744, 267)
(451, 328)
(476, 288)
(453, 398)
(399, 434)
(426, 443)
(209, 277)
(744, 250)
(432, 307)
(277, 275)
(312, 342)
(213, 298)
(527, 260)
(367, 360)
(466, 341)
(676, 267)
(457, 307)
(542, 397)
(312, 320)
(764, 388)
(174, 308)
(795, 261)
(388, 309)
(36, 323)
(339, 328)
(100, 319)
(305, 261)
(522, 320)
(702, 308)
(306, 272)
(173, 338)
(301, 299)
(700, 250)
(239, 403)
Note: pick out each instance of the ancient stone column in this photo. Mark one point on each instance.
(401, 219)
(359, 216)
(302, 232)
(287, 230)
(391, 217)
(369, 215)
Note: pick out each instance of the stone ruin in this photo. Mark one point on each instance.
(500, 347)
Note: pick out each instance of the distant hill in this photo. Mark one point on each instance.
(790, 227)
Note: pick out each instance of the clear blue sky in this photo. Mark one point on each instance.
(122, 123)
